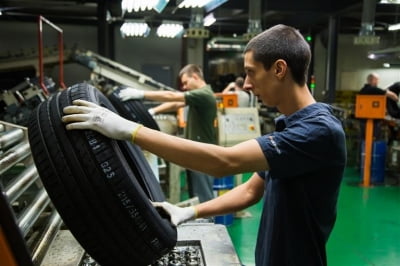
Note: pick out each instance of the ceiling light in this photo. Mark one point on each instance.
(394, 27)
(391, 52)
(226, 44)
(209, 20)
(390, 2)
(386, 65)
(135, 29)
(170, 29)
(142, 5)
(192, 3)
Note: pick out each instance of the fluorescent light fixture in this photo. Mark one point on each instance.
(209, 20)
(135, 29)
(394, 27)
(170, 29)
(226, 44)
(142, 5)
(160, 5)
(391, 52)
(193, 3)
(397, 2)
(386, 65)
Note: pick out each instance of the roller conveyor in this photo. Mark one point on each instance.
(13, 156)
(21, 183)
(11, 137)
(32, 226)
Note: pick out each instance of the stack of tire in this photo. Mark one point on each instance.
(101, 187)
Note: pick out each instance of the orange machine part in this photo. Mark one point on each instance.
(227, 100)
(6, 257)
(181, 117)
(370, 106)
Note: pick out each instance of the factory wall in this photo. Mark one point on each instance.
(159, 57)
(352, 65)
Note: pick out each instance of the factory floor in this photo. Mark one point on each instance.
(367, 229)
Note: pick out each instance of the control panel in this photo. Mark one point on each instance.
(236, 125)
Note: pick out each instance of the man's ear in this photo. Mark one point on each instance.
(195, 76)
(280, 68)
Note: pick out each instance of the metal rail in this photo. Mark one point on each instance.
(33, 211)
(38, 223)
(49, 233)
(21, 183)
(14, 156)
(11, 137)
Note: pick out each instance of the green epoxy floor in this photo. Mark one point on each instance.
(366, 233)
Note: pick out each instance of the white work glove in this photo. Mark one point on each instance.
(178, 214)
(131, 94)
(87, 115)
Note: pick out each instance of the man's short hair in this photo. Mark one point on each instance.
(239, 81)
(286, 43)
(190, 69)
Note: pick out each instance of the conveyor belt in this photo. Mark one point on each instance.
(117, 72)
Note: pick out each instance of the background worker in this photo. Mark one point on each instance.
(371, 88)
(244, 99)
(297, 178)
(202, 111)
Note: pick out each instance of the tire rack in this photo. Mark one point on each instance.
(30, 207)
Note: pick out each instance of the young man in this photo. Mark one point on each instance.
(200, 99)
(297, 169)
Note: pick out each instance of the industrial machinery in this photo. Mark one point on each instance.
(17, 103)
(106, 71)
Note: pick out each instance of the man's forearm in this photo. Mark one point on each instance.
(167, 107)
(163, 96)
(249, 193)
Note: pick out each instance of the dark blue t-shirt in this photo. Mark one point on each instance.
(307, 156)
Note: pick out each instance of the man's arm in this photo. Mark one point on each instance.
(211, 159)
(161, 96)
(229, 87)
(167, 107)
(164, 96)
(391, 95)
(234, 200)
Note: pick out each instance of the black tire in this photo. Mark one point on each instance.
(133, 110)
(100, 187)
